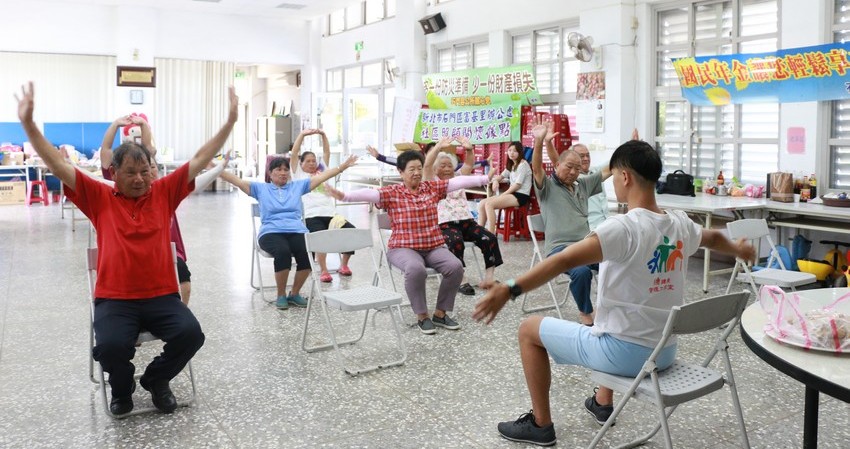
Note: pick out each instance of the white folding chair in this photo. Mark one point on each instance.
(144, 337)
(256, 252)
(352, 299)
(682, 382)
(756, 230)
(535, 224)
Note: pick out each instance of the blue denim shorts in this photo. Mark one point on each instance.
(571, 343)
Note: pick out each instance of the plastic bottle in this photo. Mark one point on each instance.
(805, 190)
(720, 180)
(813, 186)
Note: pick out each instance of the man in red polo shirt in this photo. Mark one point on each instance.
(136, 286)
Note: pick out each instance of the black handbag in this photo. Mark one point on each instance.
(679, 183)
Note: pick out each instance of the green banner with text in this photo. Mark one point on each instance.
(488, 124)
(482, 87)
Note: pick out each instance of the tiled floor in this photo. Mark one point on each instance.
(259, 389)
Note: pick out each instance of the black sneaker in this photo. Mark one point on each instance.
(446, 322)
(525, 430)
(426, 326)
(466, 289)
(600, 413)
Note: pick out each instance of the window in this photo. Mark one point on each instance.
(463, 56)
(368, 74)
(555, 68)
(839, 136)
(360, 13)
(740, 140)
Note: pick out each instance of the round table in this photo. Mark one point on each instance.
(819, 371)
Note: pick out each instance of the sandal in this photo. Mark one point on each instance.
(344, 271)
(326, 277)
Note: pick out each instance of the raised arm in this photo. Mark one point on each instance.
(147, 134)
(109, 137)
(326, 148)
(716, 240)
(211, 148)
(52, 159)
(317, 180)
(550, 141)
(213, 170)
(241, 184)
(368, 195)
(380, 157)
(295, 154)
(469, 158)
(539, 130)
(431, 157)
(465, 182)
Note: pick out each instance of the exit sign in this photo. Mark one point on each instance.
(358, 46)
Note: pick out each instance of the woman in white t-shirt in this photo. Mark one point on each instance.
(319, 210)
(518, 194)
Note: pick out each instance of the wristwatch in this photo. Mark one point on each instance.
(515, 289)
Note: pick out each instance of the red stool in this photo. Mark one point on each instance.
(515, 223)
(43, 194)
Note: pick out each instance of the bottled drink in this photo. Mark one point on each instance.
(813, 186)
(805, 191)
(720, 180)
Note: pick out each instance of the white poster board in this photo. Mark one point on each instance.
(590, 102)
(405, 114)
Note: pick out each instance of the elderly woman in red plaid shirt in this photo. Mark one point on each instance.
(416, 241)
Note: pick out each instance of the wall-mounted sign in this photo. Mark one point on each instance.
(816, 73)
(136, 76)
(488, 124)
(481, 87)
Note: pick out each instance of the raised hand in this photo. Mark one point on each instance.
(539, 128)
(133, 120)
(463, 140)
(635, 135)
(348, 162)
(26, 103)
(443, 143)
(372, 151)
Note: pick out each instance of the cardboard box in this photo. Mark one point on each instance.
(16, 158)
(13, 192)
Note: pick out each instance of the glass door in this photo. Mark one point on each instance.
(363, 124)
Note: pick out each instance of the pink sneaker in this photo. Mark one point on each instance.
(344, 271)
(326, 277)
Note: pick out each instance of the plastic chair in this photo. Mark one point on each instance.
(755, 229)
(144, 337)
(535, 225)
(514, 222)
(256, 252)
(353, 299)
(473, 250)
(682, 382)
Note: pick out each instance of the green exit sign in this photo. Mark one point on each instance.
(358, 46)
(239, 74)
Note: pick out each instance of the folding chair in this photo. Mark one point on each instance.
(682, 382)
(755, 229)
(256, 252)
(535, 225)
(144, 337)
(353, 299)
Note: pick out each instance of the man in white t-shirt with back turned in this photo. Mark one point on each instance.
(644, 256)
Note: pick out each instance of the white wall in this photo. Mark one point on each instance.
(63, 27)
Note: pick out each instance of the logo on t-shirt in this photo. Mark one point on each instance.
(665, 257)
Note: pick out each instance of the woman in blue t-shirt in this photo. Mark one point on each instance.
(282, 228)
